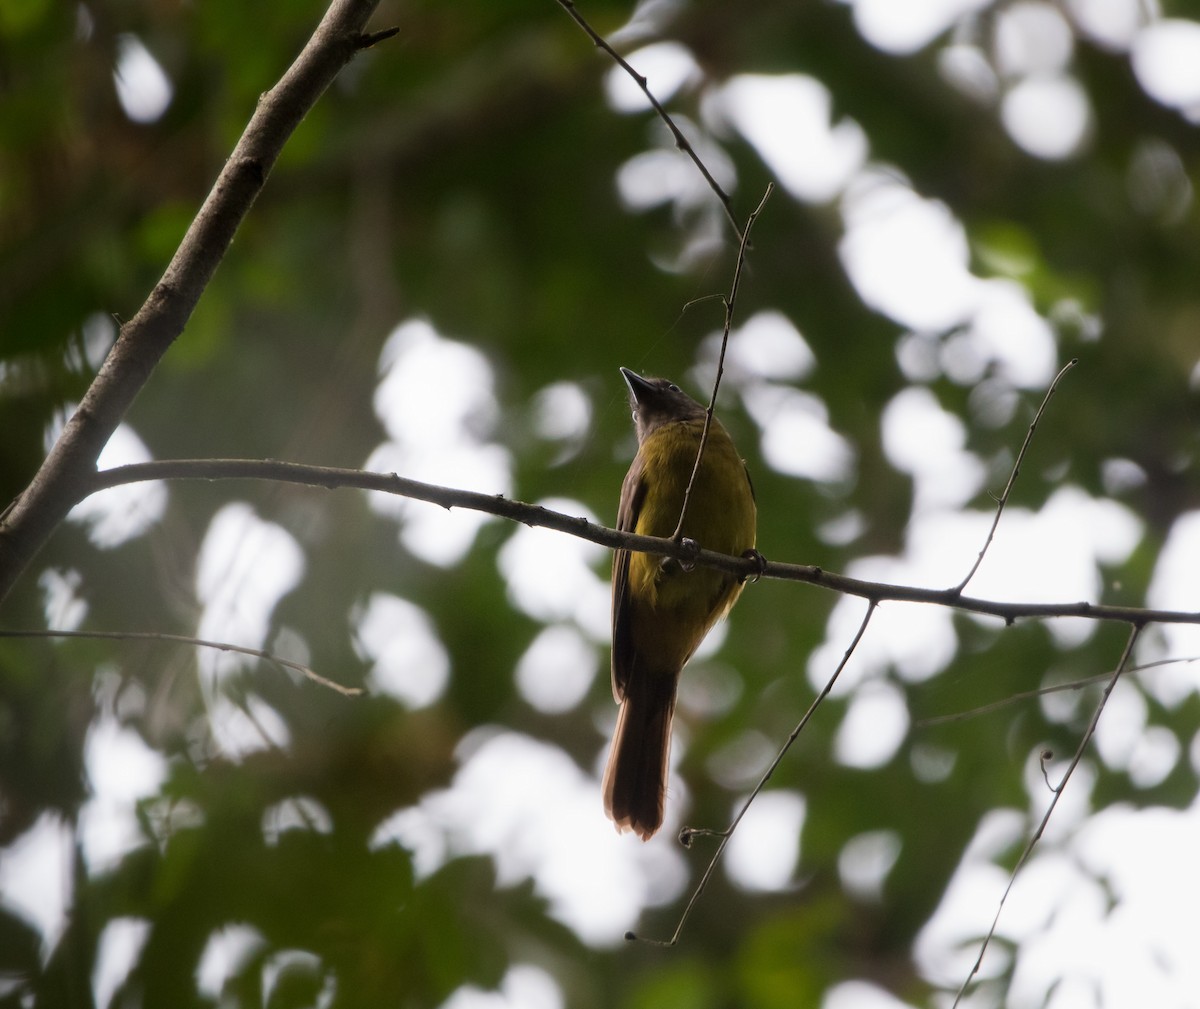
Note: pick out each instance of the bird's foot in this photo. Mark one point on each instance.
(677, 565)
(760, 564)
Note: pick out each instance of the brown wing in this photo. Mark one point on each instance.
(633, 493)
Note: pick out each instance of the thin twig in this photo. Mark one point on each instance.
(1134, 631)
(689, 833)
(730, 305)
(1024, 695)
(1012, 477)
(183, 639)
(681, 142)
(330, 477)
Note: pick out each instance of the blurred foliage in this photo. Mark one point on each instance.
(464, 172)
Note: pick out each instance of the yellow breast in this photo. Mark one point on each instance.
(675, 609)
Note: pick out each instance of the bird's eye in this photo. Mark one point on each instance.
(674, 388)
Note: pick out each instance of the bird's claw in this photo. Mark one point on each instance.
(760, 564)
(676, 565)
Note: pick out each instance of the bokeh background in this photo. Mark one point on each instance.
(471, 232)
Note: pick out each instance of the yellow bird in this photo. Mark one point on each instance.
(662, 609)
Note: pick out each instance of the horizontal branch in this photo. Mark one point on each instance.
(535, 515)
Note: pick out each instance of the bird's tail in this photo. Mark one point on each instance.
(635, 781)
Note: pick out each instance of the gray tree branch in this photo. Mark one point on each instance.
(64, 476)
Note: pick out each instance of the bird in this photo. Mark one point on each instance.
(663, 608)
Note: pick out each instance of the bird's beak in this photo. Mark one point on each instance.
(639, 388)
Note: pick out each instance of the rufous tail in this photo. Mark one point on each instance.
(635, 780)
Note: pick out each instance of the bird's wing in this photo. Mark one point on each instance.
(633, 494)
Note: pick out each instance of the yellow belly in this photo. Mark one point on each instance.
(672, 610)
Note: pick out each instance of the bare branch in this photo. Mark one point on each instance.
(1012, 477)
(183, 639)
(1057, 790)
(681, 142)
(688, 833)
(62, 479)
(535, 515)
(730, 304)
